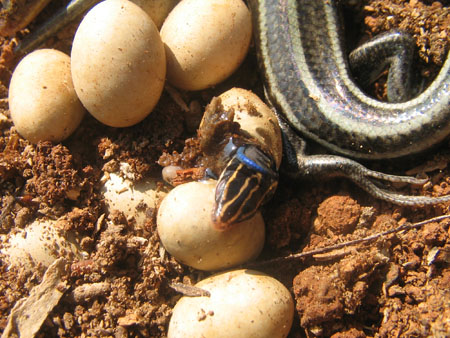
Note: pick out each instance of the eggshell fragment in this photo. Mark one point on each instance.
(118, 63)
(242, 303)
(186, 230)
(133, 199)
(206, 40)
(42, 99)
(157, 9)
(256, 119)
(40, 243)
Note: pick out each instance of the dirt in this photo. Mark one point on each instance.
(393, 286)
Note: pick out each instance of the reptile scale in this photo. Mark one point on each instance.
(308, 81)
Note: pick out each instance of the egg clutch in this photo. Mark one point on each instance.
(117, 70)
(119, 63)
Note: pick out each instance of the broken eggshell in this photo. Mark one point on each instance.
(40, 243)
(42, 99)
(255, 126)
(256, 120)
(206, 41)
(133, 199)
(118, 63)
(242, 303)
(186, 230)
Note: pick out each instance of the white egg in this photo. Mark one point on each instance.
(40, 243)
(206, 40)
(242, 304)
(118, 63)
(186, 230)
(133, 199)
(42, 99)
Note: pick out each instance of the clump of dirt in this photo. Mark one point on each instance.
(374, 281)
(419, 18)
(393, 285)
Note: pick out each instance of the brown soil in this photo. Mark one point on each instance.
(395, 286)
